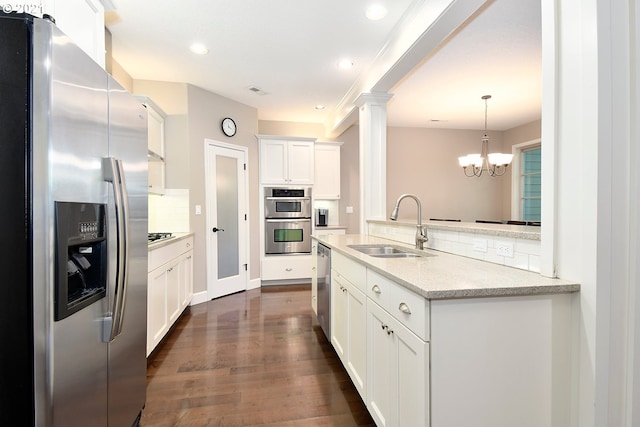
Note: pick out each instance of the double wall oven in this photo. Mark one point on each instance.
(287, 220)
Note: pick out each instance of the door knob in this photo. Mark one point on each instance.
(216, 229)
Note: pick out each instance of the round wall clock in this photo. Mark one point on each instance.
(229, 126)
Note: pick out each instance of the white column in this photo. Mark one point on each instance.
(373, 156)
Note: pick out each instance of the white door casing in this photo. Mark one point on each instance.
(226, 218)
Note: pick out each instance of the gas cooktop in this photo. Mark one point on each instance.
(154, 237)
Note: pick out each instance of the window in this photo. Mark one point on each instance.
(530, 185)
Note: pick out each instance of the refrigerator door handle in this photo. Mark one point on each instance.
(113, 172)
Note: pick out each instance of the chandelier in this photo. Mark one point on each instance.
(494, 163)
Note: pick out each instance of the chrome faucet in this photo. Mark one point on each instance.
(421, 232)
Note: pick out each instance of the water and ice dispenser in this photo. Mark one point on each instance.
(81, 256)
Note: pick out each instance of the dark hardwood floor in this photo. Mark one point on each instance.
(255, 358)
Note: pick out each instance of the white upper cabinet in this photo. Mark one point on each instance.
(327, 171)
(287, 161)
(82, 21)
(155, 144)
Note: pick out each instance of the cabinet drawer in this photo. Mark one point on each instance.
(286, 267)
(352, 271)
(410, 309)
(166, 253)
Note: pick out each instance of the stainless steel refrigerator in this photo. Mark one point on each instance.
(73, 221)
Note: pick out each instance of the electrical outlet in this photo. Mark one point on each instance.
(480, 245)
(504, 249)
(349, 209)
(198, 210)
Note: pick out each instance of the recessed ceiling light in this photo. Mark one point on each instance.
(199, 49)
(319, 107)
(345, 64)
(376, 11)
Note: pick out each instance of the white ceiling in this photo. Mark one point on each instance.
(290, 50)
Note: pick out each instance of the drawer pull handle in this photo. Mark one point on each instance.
(383, 326)
(389, 331)
(313, 269)
(376, 289)
(288, 269)
(404, 308)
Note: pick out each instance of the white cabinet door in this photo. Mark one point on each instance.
(339, 316)
(326, 184)
(174, 277)
(156, 177)
(273, 162)
(301, 162)
(397, 393)
(155, 135)
(357, 338)
(381, 379)
(286, 161)
(157, 323)
(81, 20)
(155, 145)
(412, 366)
(314, 277)
(186, 288)
(349, 328)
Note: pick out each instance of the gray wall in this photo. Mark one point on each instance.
(206, 110)
(194, 114)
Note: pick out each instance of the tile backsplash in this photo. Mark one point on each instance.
(169, 213)
(526, 252)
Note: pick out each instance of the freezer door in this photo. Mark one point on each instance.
(70, 127)
(127, 351)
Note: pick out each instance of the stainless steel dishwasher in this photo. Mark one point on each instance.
(324, 289)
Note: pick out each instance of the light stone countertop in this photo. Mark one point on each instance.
(501, 230)
(447, 276)
(164, 242)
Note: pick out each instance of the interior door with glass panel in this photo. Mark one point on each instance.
(226, 219)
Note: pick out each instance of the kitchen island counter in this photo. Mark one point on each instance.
(440, 275)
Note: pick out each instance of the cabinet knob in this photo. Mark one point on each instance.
(288, 269)
(376, 289)
(404, 308)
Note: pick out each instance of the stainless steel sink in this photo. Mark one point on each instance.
(387, 251)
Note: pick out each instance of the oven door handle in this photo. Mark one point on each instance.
(291, 220)
(287, 199)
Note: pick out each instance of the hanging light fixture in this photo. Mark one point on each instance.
(495, 163)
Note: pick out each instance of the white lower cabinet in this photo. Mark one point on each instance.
(397, 376)
(348, 328)
(286, 267)
(157, 318)
(169, 289)
(443, 363)
(386, 359)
